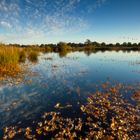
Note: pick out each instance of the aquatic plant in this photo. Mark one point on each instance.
(33, 56)
(9, 59)
(8, 55)
(22, 56)
(106, 115)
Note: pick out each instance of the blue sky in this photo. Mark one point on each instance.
(51, 21)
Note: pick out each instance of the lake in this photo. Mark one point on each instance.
(65, 81)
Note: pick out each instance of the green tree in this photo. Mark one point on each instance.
(124, 44)
(103, 44)
(62, 46)
(118, 44)
(129, 44)
(88, 42)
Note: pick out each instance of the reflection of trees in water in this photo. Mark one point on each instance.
(63, 49)
(63, 53)
(89, 52)
(27, 102)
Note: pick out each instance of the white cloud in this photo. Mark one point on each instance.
(5, 24)
(94, 5)
(40, 18)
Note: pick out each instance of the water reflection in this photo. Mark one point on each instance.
(65, 78)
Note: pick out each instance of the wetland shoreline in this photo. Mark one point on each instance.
(43, 101)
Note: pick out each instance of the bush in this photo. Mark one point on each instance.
(33, 56)
(62, 46)
(22, 56)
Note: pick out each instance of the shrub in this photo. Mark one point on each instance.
(33, 56)
(62, 46)
(22, 56)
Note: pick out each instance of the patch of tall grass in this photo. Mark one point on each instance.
(9, 55)
(9, 60)
(12, 56)
(33, 56)
(22, 56)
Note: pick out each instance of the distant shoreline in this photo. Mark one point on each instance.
(88, 45)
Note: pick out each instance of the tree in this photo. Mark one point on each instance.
(62, 46)
(134, 44)
(129, 44)
(124, 44)
(88, 42)
(117, 44)
(103, 44)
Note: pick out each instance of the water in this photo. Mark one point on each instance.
(67, 80)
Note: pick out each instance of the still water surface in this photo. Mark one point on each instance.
(66, 80)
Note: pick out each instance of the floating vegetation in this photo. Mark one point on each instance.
(58, 87)
(106, 115)
(136, 96)
(111, 115)
(19, 77)
(13, 74)
(58, 106)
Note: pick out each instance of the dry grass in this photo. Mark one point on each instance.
(9, 60)
(12, 56)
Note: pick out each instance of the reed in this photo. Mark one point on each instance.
(33, 56)
(9, 60)
(9, 55)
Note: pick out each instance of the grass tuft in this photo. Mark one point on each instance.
(33, 56)
(9, 59)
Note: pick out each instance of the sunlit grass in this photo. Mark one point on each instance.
(12, 56)
(9, 59)
(9, 55)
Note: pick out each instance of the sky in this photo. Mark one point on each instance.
(52, 21)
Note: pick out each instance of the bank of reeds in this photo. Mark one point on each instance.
(12, 56)
(9, 59)
(8, 55)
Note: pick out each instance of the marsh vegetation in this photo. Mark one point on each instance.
(69, 92)
(11, 57)
(105, 115)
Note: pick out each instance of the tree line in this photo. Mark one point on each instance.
(87, 45)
